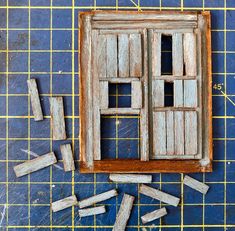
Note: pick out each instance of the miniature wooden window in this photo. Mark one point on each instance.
(174, 105)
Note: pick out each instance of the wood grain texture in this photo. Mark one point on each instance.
(123, 55)
(91, 211)
(124, 213)
(111, 111)
(104, 94)
(156, 54)
(67, 156)
(111, 54)
(136, 94)
(35, 164)
(159, 195)
(100, 46)
(178, 93)
(177, 54)
(170, 135)
(130, 178)
(179, 132)
(64, 203)
(196, 185)
(57, 118)
(158, 93)
(190, 93)
(35, 100)
(156, 214)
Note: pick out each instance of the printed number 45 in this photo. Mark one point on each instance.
(218, 86)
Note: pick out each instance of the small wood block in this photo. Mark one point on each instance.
(159, 195)
(97, 198)
(170, 149)
(91, 211)
(156, 214)
(179, 132)
(35, 100)
(57, 118)
(158, 93)
(135, 55)
(101, 56)
(104, 94)
(67, 156)
(123, 55)
(156, 54)
(64, 203)
(177, 54)
(130, 178)
(190, 93)
(124, 213)
(35, 164)
(111, 55)
(136, 94)
(178, 93)
(195, 184)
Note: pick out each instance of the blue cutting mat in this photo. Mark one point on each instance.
(39, 38)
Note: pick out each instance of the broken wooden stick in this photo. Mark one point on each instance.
(156, 214)
(57, 118)
(35, 164)
(130, 178)
(159, 195)
(91, 211)
(196, 185)
(64, 203)
(124, 213)
(35, 100)
(67, 156)
(97, 198)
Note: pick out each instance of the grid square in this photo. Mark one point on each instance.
(17, 84)
(230, 193)
(217, 41)
(218, 105)
(2, 105)
(230, 46)
(18, 128)
(192, 196)
(217, 3)
(40, 40)
(18, 215)
(3, 3)
(2, 84)
(62, 217)
(230, 105)
(40, 18)
(230, 17)
(18, 3)
(193, 3)
(39, 147)
(217, 19)
(215, 193)
(43, 83)
(128, 149)
(218, 173)
(108, 149)
(39, 3)
(42, 175)
(3, 128)
(231, 126)
(18, 193)
(108, 218)
(230, 63)
(3, 172)
(153, 3)
(18, 18)
(3, 20)
(18, 106)
(18, 39)
(40, 129)
(40, 62)
(62, 40)
(105, 3)
(229, 86)
(62, 84)
(84, 3)
(193, 215)
(230, 172)
(62, 2)
(214, 215)
(3, 62)
(40, 211)
(11, 174)
(171, 3)
(108, 127)
(218, 63)
(2, 149)
(87, 190)
(218, 149)
(3, 39)
(230, 145)
(59, 175)
(128, 128)
(2, 194)
(218, 128)
(62, 18)
(230, 211)
(17, 150)
(62, 61)
(18, 62)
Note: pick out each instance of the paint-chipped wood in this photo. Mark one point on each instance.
(196, 185)
(111, 54)
(178, 93)
(123, 55)
(35, 100)
(177, 54)
(190, 93)
(158, 93)
(170, 135)
(35, 164)
(136, 94)
(156, 54)
(179, 132)
(124, 213)
(156, 214)
(64, 203)
(104, 94)
(101, 56)
(130, 178)
(91, 211)
(67, 156)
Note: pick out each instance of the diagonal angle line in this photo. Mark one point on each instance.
(136, 5)
(226, 96)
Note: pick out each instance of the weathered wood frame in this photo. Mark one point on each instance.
(109, 20)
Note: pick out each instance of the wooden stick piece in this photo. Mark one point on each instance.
(97, 198)
(91, 211)
(67, 156)
(64, 203)
(195, 184)
(156, 214)
(159, 195)
(130, 178)
(35, 164)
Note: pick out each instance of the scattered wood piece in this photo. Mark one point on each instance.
(124, 213)
(57, 118)
(91, 211)
(159, 195)
(67, 156)
(97, 198)
(195, 184)
(35, 164)
(130, 178)
(64, 203)
(156, 214)
(35, 100)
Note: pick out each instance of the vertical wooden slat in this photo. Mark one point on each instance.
(156, 54)
(136, 94)
(104, 94)
(179, 132)
(191, 133)
(190, 54)
(158, 93)
(190, 93)
(135, 55)
(111, 67)
(101, 56)
(178, 93)
(177, 54)
(170, 133)
(123, 55)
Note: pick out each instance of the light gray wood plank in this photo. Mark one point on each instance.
(91, 211)
(156, 214)
(111, 54)
(158, 93)
(57, 118)
(170, 142)
(124, 213)
(104, 94)
(177, 54)
(135, 55)
(178, 93)
(130, 178)
(126, 31)
(190, 93)
(120, 80)
(170, 78)
(191, 140)
(35, 164)
(101, 55)
(159, 195)
(156, 54)
(136, 94)
(97, 198)
(112, 111)
(172, 31)
(67, 156)
(179, 132)
(196, 185)
(64, 203)
(35, 100)
(123, 55)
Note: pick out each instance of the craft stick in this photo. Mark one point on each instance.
(91, 211)
(195, 184)
(159, 195)
(130, 178)
(97, 198)
(35, 100)
(124, 213)
(35, 164)
(64, 203)
(67, 156)
(57, 118)
(156, 214)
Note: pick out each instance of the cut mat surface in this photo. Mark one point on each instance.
(38, 38)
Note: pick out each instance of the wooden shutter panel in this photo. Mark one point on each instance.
(190, 93)
(156, 54)
(101, 56)
(104, 94)
(123, 55)
(136, 94)
(177, 54)
(178, 93)
(158, 93)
